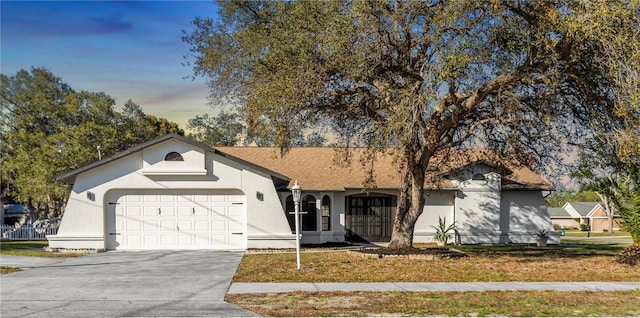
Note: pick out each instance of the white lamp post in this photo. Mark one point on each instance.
(296, 190)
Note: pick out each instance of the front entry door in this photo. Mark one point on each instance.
(370, 218)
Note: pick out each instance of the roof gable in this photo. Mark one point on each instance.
(69, 177)
(583, 209)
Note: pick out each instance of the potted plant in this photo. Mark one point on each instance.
(443, 231)
(541, 238)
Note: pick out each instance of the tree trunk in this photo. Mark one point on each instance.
(610, 219)
(410, 205)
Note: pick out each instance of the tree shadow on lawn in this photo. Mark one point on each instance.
(550, 251)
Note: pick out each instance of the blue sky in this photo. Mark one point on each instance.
(127, 49)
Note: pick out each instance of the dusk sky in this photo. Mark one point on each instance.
(129, 49)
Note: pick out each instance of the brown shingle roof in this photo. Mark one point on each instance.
(325, 169)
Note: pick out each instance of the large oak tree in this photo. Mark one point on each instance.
(522, 77)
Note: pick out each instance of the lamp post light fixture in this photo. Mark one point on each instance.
(296, 191)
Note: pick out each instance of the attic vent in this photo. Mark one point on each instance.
(173, 156)
(478, 177)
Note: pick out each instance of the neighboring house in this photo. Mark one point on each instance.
(592, 214)
(563, 219)
(174, 193)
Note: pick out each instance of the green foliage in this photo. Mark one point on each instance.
(542, 234)
(631, 212)
(48, 128)
(443, 232)
(560, 197)
(223, 130)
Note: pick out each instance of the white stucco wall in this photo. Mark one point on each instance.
(438, 204)
(527, 213)
(85, 222)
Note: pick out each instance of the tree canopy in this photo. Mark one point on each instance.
(49, 128)
(522, 77)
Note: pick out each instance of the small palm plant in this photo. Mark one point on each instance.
(541, 238)
(443, 231)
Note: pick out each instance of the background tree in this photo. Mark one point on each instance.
(225, 129)
(48, 128)
(424, 76)
(562, 196)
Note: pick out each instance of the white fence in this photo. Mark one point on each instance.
(11, 233)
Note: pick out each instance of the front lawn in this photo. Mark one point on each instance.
(30, 248)
(565, 263)
(491, 303)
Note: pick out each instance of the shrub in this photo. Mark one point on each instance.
(630, 255)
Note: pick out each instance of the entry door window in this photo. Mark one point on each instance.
(326, 213)
(309, 221)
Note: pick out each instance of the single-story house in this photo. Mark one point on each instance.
(592, 214)
(175, 193)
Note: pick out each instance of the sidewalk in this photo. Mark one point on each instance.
(260, 288)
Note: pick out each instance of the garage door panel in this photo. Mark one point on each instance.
(149, 211)
(185, 211)
(185, 225)
(134, 240)
(201, 226)
(168, 240)
(134, 225)
(151, 226)
(200, 212)
(151, 240)
(202, 240)
(167, 210)
(219, 226)
(167, 198)
(185, 239)
(185, 198)
(133, 211)
(180, 221)
(201, 198)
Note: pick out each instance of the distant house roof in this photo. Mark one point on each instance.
(325, 169)
(558, 213)
(583, 209)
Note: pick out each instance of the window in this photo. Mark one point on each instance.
(173, 156)
(288, 211)
(326, 213)
(308, 205)
(307, 213)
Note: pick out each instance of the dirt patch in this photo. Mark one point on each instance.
(409, 253)
(324, 247)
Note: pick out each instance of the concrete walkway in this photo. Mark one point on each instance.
(257, 288)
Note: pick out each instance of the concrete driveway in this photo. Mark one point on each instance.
(126, 284)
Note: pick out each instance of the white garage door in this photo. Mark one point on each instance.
(180, 221)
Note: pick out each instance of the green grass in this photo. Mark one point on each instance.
(30, 248)
(594, 234)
